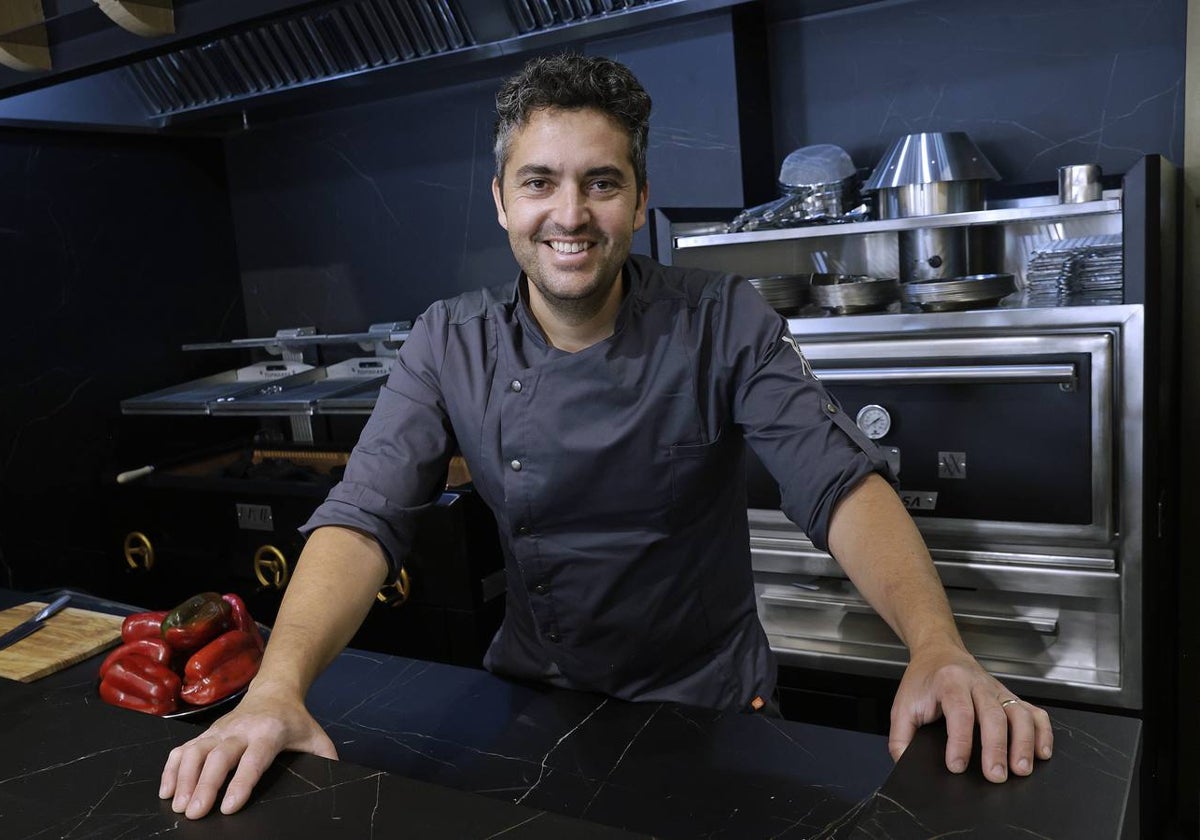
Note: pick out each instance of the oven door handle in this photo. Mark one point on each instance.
(1045, 625)
(1064, 374)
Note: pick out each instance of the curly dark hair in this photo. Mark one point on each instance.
(572, 81)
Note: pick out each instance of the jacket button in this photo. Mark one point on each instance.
(831, 408)
(516, 465)
(554, 637)
(523, 530)
(515, 386)
(540, 589)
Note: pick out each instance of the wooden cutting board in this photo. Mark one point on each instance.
(69, 637)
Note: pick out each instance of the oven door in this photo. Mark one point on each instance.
(1008, 438)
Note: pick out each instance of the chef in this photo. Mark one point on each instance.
(604, 404)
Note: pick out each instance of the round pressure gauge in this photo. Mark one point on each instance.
(874, 420)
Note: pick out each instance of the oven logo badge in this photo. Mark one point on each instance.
(791, 342)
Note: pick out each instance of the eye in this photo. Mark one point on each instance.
(536, 184)
(604, 186)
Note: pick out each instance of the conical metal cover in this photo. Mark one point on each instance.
(930, 157)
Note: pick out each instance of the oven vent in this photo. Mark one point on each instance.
(334, 42)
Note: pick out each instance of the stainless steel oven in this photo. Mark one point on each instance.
(1016, 436)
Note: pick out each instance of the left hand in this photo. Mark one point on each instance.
(948, 682)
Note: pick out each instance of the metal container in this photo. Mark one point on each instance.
(1079, 183)
(931, 174)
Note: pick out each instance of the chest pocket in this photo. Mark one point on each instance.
(697, 471)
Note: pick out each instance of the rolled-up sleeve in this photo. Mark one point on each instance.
(799, 432)
(398, 467)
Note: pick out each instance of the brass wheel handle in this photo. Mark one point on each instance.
(271, 567)
(396, 593)
(139, 551)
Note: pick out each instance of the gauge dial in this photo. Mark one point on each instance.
(874, 420)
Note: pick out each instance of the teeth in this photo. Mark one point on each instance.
(568, 247)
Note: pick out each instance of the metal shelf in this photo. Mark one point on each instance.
(1003, 215)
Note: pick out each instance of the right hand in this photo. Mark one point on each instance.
(249, 738)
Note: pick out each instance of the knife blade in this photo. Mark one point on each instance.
(32, 625)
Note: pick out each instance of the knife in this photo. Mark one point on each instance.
(34, 624)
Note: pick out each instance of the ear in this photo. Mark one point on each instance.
(498, 197)
(639, 215)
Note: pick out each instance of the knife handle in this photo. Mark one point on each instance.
(54, 606)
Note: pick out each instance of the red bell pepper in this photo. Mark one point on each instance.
(156, 650)
(138, 683)
(223, 666)
(143, 625)
(196, 621)
(241, 618)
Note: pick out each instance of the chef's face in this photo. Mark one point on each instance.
(570, 204)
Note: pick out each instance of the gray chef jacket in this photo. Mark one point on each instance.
(616, 475)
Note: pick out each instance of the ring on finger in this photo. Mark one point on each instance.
(1006, 703)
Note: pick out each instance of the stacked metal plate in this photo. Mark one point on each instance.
(786, 293)
(847, 294)
(972, 291)
(1085, 270)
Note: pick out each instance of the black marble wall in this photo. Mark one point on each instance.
(370, 214)
(115, 251)
(1037, 85)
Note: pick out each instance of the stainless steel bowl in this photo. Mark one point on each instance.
(972, 291)
(847, 294)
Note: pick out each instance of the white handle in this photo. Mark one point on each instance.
(134, 475)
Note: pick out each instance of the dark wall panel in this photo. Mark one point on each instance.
(371, 213)
(1037, 85)
(116, 252)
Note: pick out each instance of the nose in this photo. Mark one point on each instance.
(571, 210)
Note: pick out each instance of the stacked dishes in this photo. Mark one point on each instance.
(972, 291)
(786, 293)
(846, 294)
(1082, 270)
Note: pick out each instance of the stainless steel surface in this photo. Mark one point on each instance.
(933, 253)
(786, 293)
(1026, 213)
(954, 293)
(931, 156)
(1062, 374)
(929, 199)
(1079, 183)
(32, 625)
(1054, 609)
(197, 396)
(845, 294)
(301, 393)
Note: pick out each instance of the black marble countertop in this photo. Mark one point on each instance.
(432, 750)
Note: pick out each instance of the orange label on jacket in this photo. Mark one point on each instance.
(757, 703)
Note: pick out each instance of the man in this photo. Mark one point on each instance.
(604, 403)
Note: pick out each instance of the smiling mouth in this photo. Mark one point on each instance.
(568, 247)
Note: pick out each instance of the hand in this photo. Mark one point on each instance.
(949, 682)
(248, 738)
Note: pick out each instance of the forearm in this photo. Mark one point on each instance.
(336, 579)
(875, 541)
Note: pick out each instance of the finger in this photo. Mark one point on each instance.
(255, 761)
(1021, 733)
(960, 729)
(993, 733)
(320, 744)
(217, 765)
(901, 734)
(1043, 732)
(166, 785)
(191, 760)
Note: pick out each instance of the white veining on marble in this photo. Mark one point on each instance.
(81, 758)
(769, 722)
(1112, 75)
(687, 139)
(116, 784)
(538, 815)
(334, 786)
(620, 758)
(12, 452)
(364, 176)
(314, 785)
(378, 792)
(546, 757)
(1028, 831)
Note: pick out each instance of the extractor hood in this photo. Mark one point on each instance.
(227, 62)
